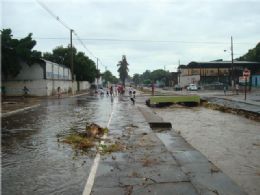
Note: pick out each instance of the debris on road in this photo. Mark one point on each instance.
(94, 130)
(108, 149)
(247, 114)
(86, 139)
(79, 141)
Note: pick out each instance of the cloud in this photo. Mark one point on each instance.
(168, 30)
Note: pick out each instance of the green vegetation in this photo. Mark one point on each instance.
(84, 67)
(109, 77)
(123, 69)
(252, 54)
(160, 76)
(107, 149)
(15, 51)
(84, 140)
(79, 141)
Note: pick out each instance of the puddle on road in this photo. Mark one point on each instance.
(34, 161)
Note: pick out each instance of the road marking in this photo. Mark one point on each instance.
(93, 170)
(18, 110)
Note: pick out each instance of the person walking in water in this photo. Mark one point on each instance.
(237, 88)
(111, 90)
(25, 91)
(59, 92)
(132, 98)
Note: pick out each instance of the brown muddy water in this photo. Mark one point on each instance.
(33, 161)
(231, 142)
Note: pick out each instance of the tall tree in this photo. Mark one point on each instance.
(109, 77)
(84, 67)
(15, 51)
(252, 54)
(60, 55)
(123, 69)
(137, 79)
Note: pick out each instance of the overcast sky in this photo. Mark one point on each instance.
(153, 34)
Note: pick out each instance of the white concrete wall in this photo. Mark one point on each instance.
(43, 87)
(56, 71)
(65, 86)
(32, 72)
(83, 85)
(33, 78)
(36, 87)
(185, 80)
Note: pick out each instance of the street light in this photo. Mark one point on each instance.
(232, 62)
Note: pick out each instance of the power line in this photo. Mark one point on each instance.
(143, 40)
(66, 26)
(82, 43)
(52, 14)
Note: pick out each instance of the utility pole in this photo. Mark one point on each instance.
(97, 63)
(179, 72)
(97, 72)
(71, 56)
(232, 63)
(71, 62)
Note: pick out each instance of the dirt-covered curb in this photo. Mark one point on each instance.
(247, 114)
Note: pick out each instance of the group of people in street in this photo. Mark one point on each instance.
(116, 91)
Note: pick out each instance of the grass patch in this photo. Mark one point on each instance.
(83, 139)
(79, 141)
(107, 149)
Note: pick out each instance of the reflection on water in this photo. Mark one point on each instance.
(33, 162)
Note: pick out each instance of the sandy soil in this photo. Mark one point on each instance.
(231, 142)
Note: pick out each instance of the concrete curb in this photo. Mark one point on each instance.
(18, 110)
(242, 101)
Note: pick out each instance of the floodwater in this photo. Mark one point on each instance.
(34, 162)
(231, 142)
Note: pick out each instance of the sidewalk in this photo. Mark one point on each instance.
(157, 162)
(231, 100)
(252, 104)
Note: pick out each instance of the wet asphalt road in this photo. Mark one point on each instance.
(33, 161)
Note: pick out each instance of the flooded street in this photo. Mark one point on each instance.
(33, 161)
(231, 142)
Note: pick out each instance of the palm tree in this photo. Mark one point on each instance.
(123, 69)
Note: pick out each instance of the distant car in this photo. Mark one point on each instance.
(192, 87)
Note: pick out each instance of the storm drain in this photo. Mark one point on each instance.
(154, 120)
(164, 125)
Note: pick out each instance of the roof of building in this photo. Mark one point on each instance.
(222, 64)
(45, 61)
